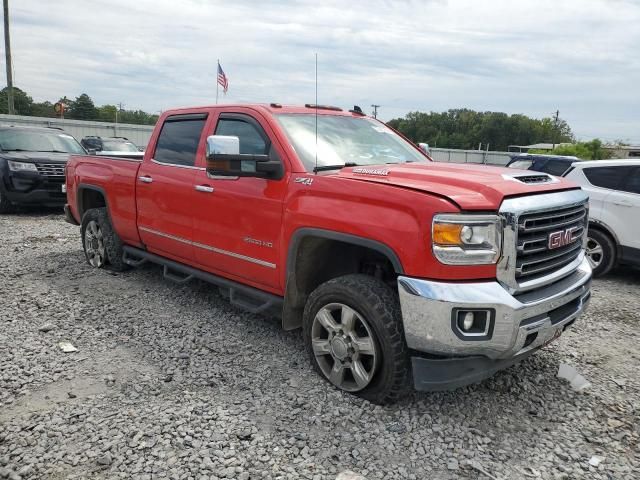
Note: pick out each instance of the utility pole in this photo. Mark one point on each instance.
(7, 49)
(555, 128)
(375, 110)
(119, 109)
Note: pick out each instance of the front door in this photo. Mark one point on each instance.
(164, 188)
(237, 223)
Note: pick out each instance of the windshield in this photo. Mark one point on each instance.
(37, 141)
(345, 140)
(118, 146)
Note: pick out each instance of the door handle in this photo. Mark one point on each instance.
(204, 188)
(623, 204)
(145, 179)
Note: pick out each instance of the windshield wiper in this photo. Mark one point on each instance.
(322, 168)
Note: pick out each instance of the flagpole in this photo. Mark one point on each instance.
(217, 85)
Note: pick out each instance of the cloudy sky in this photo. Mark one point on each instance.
(525, 56)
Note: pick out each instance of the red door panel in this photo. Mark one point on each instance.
(237, 227)
(165, 198)
(238, 221)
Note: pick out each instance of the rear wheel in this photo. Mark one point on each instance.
(601, 252)
(353, 331)
(102, 246)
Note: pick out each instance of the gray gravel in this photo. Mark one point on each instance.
(172, 382)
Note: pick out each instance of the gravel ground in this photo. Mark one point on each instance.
(172, 382)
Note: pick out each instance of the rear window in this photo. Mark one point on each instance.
(178, 141)
(556, 167)
(632, 184)
(605, 177)
(522, 164)
(118, 146)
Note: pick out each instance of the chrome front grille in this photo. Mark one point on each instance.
(536, 256)
(51, 169)
(543, 238)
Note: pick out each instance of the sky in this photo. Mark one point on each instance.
(527, 56)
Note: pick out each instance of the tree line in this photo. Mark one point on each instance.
(468, 129)
(80, 108)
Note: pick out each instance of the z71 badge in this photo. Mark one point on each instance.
(304, 180)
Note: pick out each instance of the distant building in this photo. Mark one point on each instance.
(535, 146)
(623, 151)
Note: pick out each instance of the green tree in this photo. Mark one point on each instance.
(43, 109)
(21, 101)
(585, 150)
(107, 113)
(464, 128)
(83, 108)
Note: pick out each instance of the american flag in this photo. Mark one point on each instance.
(222, 79)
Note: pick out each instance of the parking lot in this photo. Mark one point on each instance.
(170, 381)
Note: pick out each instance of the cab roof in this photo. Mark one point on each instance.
(276, 108)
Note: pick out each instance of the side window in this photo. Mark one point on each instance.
(251, 139)
(556, 167)
(178, 140)
(632, 184)
(606, 177)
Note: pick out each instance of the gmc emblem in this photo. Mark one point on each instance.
(561, 238)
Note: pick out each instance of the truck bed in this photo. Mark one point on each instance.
(115, 177)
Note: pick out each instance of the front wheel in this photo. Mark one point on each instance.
(601, 252)
(352, 328)
(102, 246)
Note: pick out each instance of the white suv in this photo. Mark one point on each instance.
(613, 187)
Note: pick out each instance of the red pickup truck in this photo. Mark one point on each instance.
(399, 270)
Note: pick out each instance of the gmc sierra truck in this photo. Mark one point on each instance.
(399, 270)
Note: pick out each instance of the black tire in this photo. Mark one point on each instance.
(112, 245)
(5, 205)
(603, 261)
(375, 302)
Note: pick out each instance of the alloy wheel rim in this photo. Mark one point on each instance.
(594, 252)
(94, 244)
(344, 347)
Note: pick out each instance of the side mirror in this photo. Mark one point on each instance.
(424, 147)
(225, 160)
(91, 151)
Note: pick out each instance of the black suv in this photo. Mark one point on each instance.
(552, 164)
(32, 162)
(109, 144)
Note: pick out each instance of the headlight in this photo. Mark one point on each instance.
(22, 166)
(463, 239)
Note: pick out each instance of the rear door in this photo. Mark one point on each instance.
(164, 188)
(238, 221)
(614, 208)
(624, 203)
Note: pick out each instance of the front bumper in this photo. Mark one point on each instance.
(31, 188)
(520, 324)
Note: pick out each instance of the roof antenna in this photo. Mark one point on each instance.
(316, 167)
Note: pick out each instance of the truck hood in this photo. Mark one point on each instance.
(471, 187)
(52, 157)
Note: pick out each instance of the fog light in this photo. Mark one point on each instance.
(467, 321)
(473, 324)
